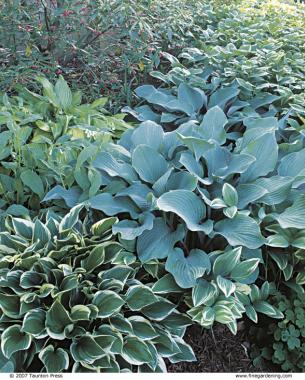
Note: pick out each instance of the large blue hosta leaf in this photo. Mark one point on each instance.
(113, 205)
(293, 216)
(264, 148)
(148, 133)
(188, 206)
(241, 230)
(278, 189)
(186, 270)
(196, 145)
(107, 163)
(222, 163)
(70, 196)
(148, 163)
(212, 125)
(221, 97)
(292, 165)
(158, 242)
(130, 229)
(138, 193)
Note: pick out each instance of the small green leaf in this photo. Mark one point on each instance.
(54, 360)
(135, 351)
(108, 303)
(139, 296)
(33, 181)
(14, 340)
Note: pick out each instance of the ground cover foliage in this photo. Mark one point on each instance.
(115, 236)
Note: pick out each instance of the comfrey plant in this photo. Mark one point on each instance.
(76, 300)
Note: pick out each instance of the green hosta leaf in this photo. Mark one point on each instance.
(186, 270)
(63, 93)
(300, 279)
(32, 181)
(54, 360)
(57, 319)
(265, 308)
(142, 328)
(80, 313)
(230, 212)
(139, 296)
(103, 225)
(130, 229)
(277, 241)
(223, 314)
(159, 310)
(23, 227)
(166, 284)
(10, 305)
(158, 242)
(293, 216)
(186, 353)
(281, 259)
(135, 351)
(148, 163)
(202, 292)
(14, 340)
(241, 230)
(251, 313)
(225, 262)
(108, 303)
(212, 125)
(95, 258)
(34, 322)
(225, 285)
(244, 269)
(188, 206)
(85, 349)
(6, 366)
(70, 219)
(229, 195)
(122, 324)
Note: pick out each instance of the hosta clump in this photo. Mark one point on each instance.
(43, 138)
(78, 301)
(196, 195)
(284, 343)
(176, 105)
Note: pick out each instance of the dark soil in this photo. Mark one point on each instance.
(217, 350)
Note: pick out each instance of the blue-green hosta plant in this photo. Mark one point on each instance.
(43, 138)
(193, 196)
(183, 101)
(74, 299)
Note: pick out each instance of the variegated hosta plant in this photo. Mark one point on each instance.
(75, 300)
